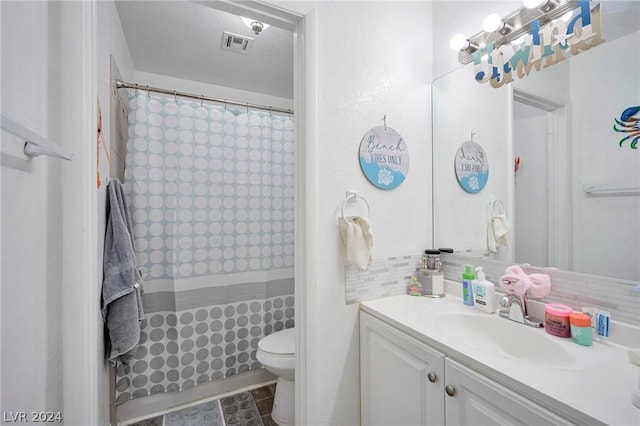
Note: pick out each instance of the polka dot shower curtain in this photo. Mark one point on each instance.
(211, 192)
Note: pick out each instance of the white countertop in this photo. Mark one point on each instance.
(595, 389)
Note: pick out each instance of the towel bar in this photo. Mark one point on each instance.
(593, 190)
(35, 144)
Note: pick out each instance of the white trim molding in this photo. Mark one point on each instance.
(82, 323)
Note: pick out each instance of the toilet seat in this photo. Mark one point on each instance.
(280, 343)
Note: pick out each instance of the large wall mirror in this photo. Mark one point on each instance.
(574, 201)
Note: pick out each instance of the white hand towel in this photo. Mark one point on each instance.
(498, 232)
(357, 240)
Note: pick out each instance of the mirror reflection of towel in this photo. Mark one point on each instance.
(357, 240)
(498, 232)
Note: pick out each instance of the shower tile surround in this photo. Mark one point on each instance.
(389, 277)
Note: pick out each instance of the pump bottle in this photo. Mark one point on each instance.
(467, 286)
(484, 292)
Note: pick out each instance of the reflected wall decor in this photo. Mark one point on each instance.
(472, 167)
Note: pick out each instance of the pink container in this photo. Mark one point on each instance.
(556, 319)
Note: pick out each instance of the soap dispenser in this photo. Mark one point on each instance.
(467, 285)
(484, 292)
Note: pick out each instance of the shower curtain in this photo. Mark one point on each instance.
(212, 196)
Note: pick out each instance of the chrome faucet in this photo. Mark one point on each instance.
(515, 309)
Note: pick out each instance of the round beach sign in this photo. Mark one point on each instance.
(472, 167)
(384, 157)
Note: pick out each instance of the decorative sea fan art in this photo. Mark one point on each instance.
(629, 122)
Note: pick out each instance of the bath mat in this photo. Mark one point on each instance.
(235, 410)
(241, 410)
(199, 415)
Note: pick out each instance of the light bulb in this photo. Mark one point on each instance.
(459, 42)
(492, 22)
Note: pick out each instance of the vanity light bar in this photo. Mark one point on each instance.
(515, 25)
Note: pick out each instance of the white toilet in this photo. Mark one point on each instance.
(276, 352)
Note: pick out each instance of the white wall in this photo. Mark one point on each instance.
(31, 216)
(49, 339)
(363, 60)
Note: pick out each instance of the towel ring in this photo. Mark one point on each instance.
(499, 204)
(352, 197)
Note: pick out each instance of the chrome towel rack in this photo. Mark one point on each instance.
(594, 190)
(35, 145)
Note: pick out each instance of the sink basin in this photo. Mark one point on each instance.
(506, 338)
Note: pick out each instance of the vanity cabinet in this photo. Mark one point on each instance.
(406, 382)
(473, 399)
(401, 379)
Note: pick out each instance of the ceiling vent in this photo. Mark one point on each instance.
(236, 42)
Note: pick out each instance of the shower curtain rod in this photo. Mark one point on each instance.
(124, 85)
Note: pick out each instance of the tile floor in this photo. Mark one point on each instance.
(264, 401)
(242, 409)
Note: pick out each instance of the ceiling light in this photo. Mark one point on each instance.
(492, 22)
(459, 42)
(255, 26)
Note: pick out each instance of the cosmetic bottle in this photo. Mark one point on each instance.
(414, 288)
(580, 324)
(484, 292)
(467, 285)
(436, 282)
(432, 257)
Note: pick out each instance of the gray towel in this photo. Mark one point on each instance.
(121, 304)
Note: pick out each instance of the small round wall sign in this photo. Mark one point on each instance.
(472, 167)
(384, 157)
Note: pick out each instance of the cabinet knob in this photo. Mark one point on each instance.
(432, 377)
(450, 390)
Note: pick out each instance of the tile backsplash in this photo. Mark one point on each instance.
(389, 277)
(386, 277)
